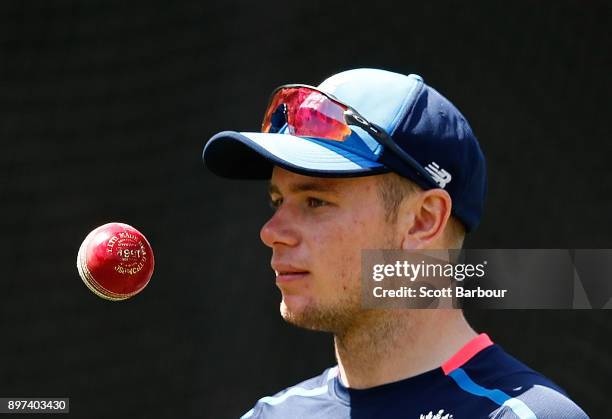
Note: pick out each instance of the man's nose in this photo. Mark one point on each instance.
(280, 229)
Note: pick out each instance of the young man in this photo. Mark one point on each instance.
(376, 160)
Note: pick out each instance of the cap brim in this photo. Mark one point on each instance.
(251, 155)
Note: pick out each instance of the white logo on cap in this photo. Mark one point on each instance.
(439, 175)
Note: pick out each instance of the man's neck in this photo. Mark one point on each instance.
(389, 348)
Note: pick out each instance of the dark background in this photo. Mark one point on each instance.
(106, 105)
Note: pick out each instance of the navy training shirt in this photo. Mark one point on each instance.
(480, 381)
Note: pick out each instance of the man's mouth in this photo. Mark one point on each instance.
(286, 273)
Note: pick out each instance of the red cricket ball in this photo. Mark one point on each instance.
(115, 261)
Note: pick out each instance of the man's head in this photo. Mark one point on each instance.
(320, 227)
(369, 160)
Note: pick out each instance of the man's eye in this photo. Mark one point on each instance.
(315, 203)
(275, 203)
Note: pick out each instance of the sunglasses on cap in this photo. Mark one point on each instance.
(305, 111)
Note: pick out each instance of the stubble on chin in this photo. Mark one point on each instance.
(334, 317)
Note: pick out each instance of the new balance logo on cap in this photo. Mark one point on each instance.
(440, 176)
(439, 415)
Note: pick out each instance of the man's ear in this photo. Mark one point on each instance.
(424, 219)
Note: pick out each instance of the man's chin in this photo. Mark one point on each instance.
(292, 309)
(302, 312)
(296, 311)
(295, 303)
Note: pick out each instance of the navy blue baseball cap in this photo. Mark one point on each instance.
(422, 122)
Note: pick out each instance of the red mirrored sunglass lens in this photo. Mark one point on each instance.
(308, 113)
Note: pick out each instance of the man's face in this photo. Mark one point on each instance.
(316, 234)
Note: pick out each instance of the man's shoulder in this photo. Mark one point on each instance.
(541, 401)
(297, 396)
(526, 393)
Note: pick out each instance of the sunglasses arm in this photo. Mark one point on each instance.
(353, 118)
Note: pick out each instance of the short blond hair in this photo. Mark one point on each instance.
(393, 188)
